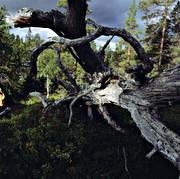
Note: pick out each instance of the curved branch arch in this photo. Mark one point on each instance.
(91, 63)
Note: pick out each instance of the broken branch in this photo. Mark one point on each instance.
(41, 97)
(64, 69)
(75, 99)
(6, 110)
(106, 116)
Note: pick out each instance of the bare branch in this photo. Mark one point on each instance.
(67, 86)
(150, 154)
(73, 54)
(125, 161)
(34, 55)
(41, 97)
(33, 62)
(30, 17)
(92, 23)
(6, 110)
(143, 105)
(64, 69)
(140, 70)
(75, 99)
(105, 46)
(72, 25)
(101, 53)
(106, 116)
(88, 59)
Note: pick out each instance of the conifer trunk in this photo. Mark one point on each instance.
(163, 36)
(129, 55)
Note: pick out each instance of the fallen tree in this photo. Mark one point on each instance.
(142, 97)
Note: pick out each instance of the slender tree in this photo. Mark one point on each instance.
(131, 26)
(154, 10)
(175, 29)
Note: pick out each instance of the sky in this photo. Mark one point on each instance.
(111, 13)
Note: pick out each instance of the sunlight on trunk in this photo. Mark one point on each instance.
(2, 96)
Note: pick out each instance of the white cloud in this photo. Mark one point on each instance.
(103, 39)
(100, 43)
(43, 32)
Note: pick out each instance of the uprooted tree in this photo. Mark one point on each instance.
(142, 97)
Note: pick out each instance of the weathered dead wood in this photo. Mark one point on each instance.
(70, 26)
(31, 17)
(33, 64)
(5, 111)
(64, 69)
(103, 111)
(87, 58)
(68, 87)
(75, 99)
(41, 97)
(125, 162)
(143, 108)
(101, 53)
(143, 105)
(34, 55)
(140, 70)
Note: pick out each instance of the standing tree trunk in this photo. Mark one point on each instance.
(129, 55)
(163, 36)
(47, 86)
(76, 27)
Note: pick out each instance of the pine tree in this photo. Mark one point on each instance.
(175, 30)
(12, 54)
(155, 10)
(131, 26)
(124, 55)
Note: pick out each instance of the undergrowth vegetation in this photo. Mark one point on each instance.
(41, 145)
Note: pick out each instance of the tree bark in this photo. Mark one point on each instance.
(163, 36)
(47, 86)
(143, 103)
(129, 55)
(70, 26)
(88, 59)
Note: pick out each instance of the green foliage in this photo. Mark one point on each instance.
(175, 28)
(158, 19)
(47, 64)
(124, 55)
(62, 3)
(130, 22)
(12, 54)
(153, 39)
(38, 145)
(153, 9)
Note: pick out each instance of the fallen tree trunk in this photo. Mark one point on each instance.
(143, 100)
(144, 104)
